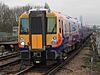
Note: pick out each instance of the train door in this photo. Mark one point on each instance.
(79, 31)
(37, 30)
(69, 34)
(61, 27)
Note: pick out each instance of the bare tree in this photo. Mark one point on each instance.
(9, 17)
(5, 18)
(19, 10)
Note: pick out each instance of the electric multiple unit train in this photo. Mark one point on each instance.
(45, 36)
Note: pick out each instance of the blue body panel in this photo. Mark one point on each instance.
(24, 49)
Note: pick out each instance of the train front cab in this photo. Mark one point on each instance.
(23, 35)
(40, 39)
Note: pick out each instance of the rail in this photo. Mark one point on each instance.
(8, 63)
(9, 58)
(21, 72)
(9, 55)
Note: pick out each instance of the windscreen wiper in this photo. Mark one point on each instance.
(53, 28)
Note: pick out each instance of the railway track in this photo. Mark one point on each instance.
(40, 70)
(32, 70)
(8, 59)
(14, 67)
(9, 55)
(11, 65)
(54, 69)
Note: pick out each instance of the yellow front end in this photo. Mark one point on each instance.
(50, 35)
(49, 38)
(37, 41)
(38, 26)
(23, 30)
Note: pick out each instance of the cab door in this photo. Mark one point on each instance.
(37, 30)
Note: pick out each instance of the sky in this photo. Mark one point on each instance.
(89, 9)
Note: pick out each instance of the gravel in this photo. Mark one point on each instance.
(75, 66)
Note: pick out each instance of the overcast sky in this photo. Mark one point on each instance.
(89, 9)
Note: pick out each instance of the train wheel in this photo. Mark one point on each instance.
(61, 58)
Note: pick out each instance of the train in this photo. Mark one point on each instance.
(49, 36)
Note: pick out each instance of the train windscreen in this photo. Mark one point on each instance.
(24, 26)
(36, 25)
(51, 25)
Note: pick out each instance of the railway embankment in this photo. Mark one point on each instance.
(87, 62)
(75, 67)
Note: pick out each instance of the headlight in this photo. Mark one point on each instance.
(54, 39)
(22, 42)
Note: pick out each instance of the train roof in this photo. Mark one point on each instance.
(24, 15)
(39, 9)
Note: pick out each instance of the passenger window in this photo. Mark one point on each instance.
(73, 28)
(62, 27)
